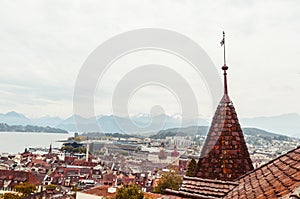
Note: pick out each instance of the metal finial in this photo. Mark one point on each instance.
(224, 67)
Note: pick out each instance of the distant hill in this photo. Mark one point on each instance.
(287, 124)
(29, 128)
(202, 130)
(47, 121)
(14, 118)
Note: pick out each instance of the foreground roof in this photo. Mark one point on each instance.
(278, 178)
(203, 188)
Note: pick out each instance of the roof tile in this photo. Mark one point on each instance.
(278, 178)
(225, 154)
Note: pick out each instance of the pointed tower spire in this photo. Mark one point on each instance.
(50, 149)
(224, 155)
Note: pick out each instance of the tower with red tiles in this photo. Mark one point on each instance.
(224, 155)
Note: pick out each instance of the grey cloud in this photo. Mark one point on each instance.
(44, 43)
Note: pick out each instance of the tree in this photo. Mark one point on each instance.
(11, 196)
(79, 138)
(130, 192)
(191, 168)
(25, 188)
(50, 187)
(169, 180)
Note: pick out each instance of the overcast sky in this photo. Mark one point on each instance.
(43, 45)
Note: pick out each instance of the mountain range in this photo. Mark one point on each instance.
(287, 124)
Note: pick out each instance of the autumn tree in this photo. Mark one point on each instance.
(169, 180)
(11, 196)
(50, 187)
(25, 188)
(130, 192)
(191, 168)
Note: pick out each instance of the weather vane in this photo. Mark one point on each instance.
(223, 44)
(224, 67)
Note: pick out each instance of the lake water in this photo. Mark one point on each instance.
(15, 142)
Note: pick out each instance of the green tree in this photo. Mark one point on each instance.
(11, 196)
(25, 188)
(130, 192)
(191, 168)
(80, 150)
(71, 149)
(169, 180)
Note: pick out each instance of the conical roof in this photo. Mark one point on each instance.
(224, 155)
(175, 153)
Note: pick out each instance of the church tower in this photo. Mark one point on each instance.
(224, 155)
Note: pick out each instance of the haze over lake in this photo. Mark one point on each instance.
(15, 142)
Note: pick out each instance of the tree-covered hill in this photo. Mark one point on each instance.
(202, 130)
(29, 128)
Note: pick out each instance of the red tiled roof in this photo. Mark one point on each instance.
(109, 177)
(278, 178)
(71, 171)
(128, 179)
(101, 191)
(19, 176)
(69, 159)
(82, 162)
(203, 188)
(225, 154)
(152, 195)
